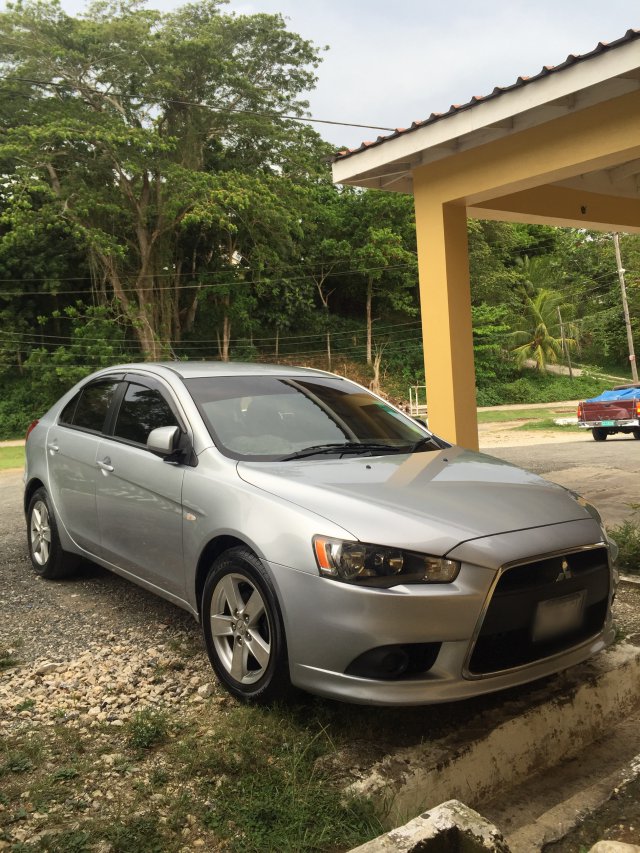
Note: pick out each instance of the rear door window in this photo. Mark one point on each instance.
(88, 409)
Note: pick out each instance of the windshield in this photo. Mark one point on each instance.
(269, 418)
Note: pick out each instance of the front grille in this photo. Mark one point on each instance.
(506, 637)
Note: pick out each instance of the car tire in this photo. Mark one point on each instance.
(47, 557)
(599, 434)
(243, 628)
(636, 434)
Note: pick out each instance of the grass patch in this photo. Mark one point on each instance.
(550, 424)
(138, 834)
(147, 728)
(236, 779)
(11, 457)
(502, 415)
(7, 659)
(266, 789)
(73, 841)
(627, 538)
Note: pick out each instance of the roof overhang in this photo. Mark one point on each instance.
(607, 72)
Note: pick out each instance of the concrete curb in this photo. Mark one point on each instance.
(556, 722)
(450, 826)
(564, 817)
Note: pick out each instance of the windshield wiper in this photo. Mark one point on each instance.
(423, 443)
(345, 447)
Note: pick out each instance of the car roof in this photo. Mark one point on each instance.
(202, 369)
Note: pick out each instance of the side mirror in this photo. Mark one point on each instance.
(164, 440)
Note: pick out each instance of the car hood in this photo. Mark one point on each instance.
(430, 500)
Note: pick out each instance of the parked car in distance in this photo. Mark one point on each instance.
(613, 411)
(323, 539)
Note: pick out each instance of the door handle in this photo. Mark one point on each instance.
(53, 447)
(105, 465)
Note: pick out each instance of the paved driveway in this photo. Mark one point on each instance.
(606, 473)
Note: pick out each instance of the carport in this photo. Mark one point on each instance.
(559, 148)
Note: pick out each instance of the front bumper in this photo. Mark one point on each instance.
(328, 624)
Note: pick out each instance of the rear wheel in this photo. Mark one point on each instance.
(47, 557)
(599, 434)
(243, 628)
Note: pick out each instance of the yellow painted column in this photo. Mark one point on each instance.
(445, 304)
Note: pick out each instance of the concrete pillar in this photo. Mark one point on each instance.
(445, 304)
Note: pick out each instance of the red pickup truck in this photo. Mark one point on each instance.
(613, 411)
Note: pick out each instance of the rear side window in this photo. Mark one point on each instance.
(88, 409)
(142, 410)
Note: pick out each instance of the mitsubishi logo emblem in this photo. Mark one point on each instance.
(565, 572)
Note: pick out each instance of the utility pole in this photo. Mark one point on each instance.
(625, 307)
(565, 345)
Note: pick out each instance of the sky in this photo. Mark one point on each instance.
(390, 63)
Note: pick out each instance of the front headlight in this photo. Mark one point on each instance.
(377, 565)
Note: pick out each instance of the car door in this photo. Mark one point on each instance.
(72, 446)
(138, 494)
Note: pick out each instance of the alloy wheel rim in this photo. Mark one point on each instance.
(240, 628)
(40, 533)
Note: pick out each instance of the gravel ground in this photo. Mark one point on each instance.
(94, 648)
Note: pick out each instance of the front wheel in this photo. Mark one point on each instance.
(243, 628)
(599, 434)
(47, 557)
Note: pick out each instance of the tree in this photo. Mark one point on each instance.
(126, 110)
(540, 340)
(390, 272)
(381, 231)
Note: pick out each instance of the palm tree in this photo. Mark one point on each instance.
(540, 340)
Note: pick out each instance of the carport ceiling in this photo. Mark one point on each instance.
(609, 71)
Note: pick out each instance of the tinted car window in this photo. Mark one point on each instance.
(142, 410)
(92, 406)
(66, 415)
(268, 417)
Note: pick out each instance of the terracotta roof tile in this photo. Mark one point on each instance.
(572, 59)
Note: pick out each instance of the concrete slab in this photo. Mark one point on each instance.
(522, 738)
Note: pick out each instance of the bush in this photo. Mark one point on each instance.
(22, 399)
(542, 388)
(627, 538)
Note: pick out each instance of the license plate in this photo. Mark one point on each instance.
(607, 423)
(557, 616)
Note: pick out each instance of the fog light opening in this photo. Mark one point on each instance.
(389, 663)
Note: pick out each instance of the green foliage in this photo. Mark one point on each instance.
(540, 340)
(627, 538)
(543, 388)
(147, 728)
(154, 190)
(155, 203)
(490, 330)
(94, 339)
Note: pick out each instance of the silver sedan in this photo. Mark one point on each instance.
(324, 539)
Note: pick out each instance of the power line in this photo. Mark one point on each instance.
(574, 288)
(179, 102)
(203, 287)
(194, 342)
